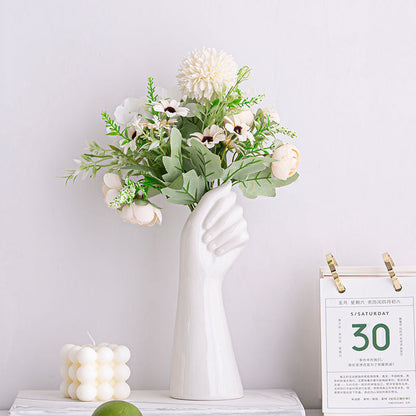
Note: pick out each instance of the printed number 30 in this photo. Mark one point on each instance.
(359, 333)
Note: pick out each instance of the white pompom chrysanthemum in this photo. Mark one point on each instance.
(204, 73)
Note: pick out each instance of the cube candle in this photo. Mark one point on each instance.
(95, 372)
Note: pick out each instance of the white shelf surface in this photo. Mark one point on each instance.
(309, 412)
(270, 402)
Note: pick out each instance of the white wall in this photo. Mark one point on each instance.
(341, 73)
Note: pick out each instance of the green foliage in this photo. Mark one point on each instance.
(166, 160)
(249, 102)
(151, 91)
(173, 163)
(126, 194)
(263, 183)
(206, 163)
(114, 129)
(241, 169)
(243, 74)
(186, 189)
(258, 183)
(278, 183)
(188, 126)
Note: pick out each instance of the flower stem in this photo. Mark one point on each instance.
(225, 150)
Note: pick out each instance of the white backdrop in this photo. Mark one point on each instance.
(342, 74)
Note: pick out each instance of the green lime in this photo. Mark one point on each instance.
(117, 408)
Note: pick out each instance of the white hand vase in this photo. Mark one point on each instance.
(203, 362)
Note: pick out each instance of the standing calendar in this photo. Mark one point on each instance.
(368, 340)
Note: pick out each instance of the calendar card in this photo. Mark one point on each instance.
(368, 343)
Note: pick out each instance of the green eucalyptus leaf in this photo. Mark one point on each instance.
(173, 163)
(154, 144)
(141, 202)
(142, 170)
(185, 189)
(152, 192)
(263, 183)
(259, 183)
(187, 163)
(279, 183)
(205, 162)
(188, 127)
(241, 169)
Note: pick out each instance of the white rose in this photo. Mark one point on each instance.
(246, 117)
(273, 116)
(287, 161)
(141, 214)
(111, 187)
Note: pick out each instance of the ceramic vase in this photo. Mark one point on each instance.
(203, 362)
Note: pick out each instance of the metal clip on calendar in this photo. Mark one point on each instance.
(388, 261)
(332, 263)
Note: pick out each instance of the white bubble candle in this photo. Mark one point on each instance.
(95, 372)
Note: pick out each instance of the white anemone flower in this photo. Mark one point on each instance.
(143, 214)
(233, 144)
(134, 130)
(171, 108)
(136, 127)
(157, 124)
(125, 113)
(210, 137)
(234, 125)
(126, 145)
(205, 73)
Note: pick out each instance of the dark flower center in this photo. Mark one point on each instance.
(208, 139)
(238, 129)
(134, 134)
(170, 109)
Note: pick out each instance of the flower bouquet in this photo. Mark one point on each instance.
(184, 144)
(192, 145)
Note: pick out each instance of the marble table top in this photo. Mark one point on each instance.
(270, 402)
(309, 412)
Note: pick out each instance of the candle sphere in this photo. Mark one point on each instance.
(86, 355)
(121, 390)
(105, 392)
(86, 392)
(105, 355)
(65, 350)
(121, 372)
(105, 373)
(121, 354)
(72, 353)
(86, 373)
(72, 390)
(72, 371)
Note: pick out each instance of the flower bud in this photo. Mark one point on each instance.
(287, 161)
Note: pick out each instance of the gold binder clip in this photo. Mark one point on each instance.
(332, 263)
(388, 261)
